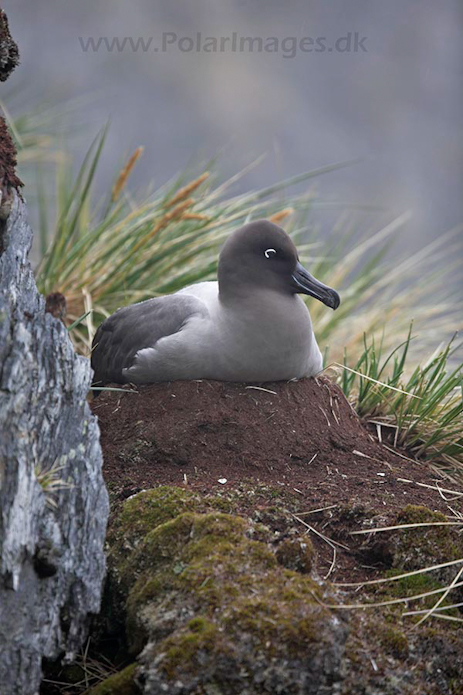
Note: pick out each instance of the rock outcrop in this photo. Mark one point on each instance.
(221, 594)
(53, 502)
(211, 607)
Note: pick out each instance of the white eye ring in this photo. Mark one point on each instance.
(268, 252)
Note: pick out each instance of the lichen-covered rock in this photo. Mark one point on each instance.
(121, 683)
(296, 554)
(53, 503)
(423, 538)
(209, 608)
(425, 545)
(213, 603)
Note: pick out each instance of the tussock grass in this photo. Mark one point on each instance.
(103, 254)
(51, 482)
(419, 409)
(34, 134)
(106, 253)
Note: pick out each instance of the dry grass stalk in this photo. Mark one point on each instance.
(196, 216)
(125, 173)
(186, 190)
(281, 215)
(167, 217)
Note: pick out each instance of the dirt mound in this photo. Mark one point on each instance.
(302, 436)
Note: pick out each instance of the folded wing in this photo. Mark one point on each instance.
(136, 327)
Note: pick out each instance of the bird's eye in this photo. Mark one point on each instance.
(269, 253)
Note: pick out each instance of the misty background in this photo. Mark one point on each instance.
(397, 107)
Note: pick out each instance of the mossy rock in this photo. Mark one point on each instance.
(210, 604)
(416, 548)
(142, 513)
(296, 554)
(121, 683)
(217, 604)
(394, 641)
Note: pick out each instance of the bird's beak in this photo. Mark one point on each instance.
(304, 282)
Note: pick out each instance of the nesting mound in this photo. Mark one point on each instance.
(301, 436)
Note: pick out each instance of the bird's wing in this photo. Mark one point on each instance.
(136, 327)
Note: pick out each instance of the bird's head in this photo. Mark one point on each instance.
(262, 255)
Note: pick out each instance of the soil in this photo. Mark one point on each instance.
(298, 445)
(8, 178)
(9, 59)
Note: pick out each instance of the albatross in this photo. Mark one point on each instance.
(250, 325)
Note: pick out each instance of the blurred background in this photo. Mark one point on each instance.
(395, 104)
(384, 93)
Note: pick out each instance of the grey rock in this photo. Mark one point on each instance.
(53, 502)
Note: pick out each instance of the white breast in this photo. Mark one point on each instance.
(268, 339)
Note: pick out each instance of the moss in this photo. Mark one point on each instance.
(296, 554)
(223, 504)
(420, 584)
(217, 527)
(140, 516)
(184, 553)
(394, 642)
(272, 622)
(415, 548)
(147, 510)
(199, 582)
(184, 648)
(417, 514)
(409, 586)
(121, 683)
(143, 512)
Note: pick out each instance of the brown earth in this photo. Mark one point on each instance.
(8, 178)
(9, 59)
(9, 54)
(298, 445)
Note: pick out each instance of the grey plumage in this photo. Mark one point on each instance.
(250, 325)
(135, 327)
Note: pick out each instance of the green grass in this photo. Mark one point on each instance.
(106, 253)
(51, 482)
(418, 408)
(126, 247)
(35, 133)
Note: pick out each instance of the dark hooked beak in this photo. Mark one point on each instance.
(304, 282)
